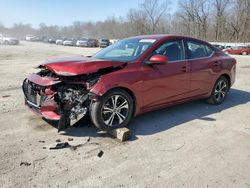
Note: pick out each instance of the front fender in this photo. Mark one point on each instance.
(131, 83)
(101, 87)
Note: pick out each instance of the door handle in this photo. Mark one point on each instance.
(216, 63)
(184, 69)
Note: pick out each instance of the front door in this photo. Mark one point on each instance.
(163, 84)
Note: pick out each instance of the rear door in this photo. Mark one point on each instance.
(204, 66)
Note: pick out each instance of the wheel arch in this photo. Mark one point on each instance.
(228, 78)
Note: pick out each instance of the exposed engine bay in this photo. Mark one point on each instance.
(65, 99)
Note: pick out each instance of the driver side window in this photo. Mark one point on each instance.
(173, 50)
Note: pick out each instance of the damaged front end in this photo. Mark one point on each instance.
(65, 99)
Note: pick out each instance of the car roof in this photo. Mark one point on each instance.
(164, 36)
(160, 37)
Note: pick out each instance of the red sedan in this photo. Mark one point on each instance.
(240, 50)
(133, 76)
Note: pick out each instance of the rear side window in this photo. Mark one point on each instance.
(198, 50)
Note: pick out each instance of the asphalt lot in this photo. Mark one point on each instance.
(189, 145)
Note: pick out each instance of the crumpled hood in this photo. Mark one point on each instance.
(78, 65)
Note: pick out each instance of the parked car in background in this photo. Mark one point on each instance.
(51, 40)
(240, 50)
(92, 43)
(59, 41)
(45, 39)
(32, 38)
(133, 76)
(69, 42)
(113, 41)
(104, 42)
(8, 40)
(221, 47)
(228, 47)
(86, 42)
(82, 42)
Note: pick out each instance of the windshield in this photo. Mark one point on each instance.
(125, 50)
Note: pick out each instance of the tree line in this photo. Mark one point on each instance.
(213, 20)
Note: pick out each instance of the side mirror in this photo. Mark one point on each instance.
(158, 59)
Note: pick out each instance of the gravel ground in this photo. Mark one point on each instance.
(189, 145)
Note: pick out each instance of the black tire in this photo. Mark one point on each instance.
(102, 118)
(219, 92)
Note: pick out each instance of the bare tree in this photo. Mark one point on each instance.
(155, 10)
(201, 14)
(240, 20)
(220, 9)
(188, 17)
(137, 22)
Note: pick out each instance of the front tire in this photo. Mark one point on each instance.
(113, 110)
(219, 92)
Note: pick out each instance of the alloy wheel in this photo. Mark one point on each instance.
(220, 90)
(115, 110)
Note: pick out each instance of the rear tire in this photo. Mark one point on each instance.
(113, 110)
(219, 92)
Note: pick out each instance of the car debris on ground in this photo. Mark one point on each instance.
(100, 154)
(61, 146)
(25, 164)
(6, 96)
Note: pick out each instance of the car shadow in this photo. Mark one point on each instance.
(165, 119)
(161, 120)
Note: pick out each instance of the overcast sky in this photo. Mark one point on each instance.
(62, 12)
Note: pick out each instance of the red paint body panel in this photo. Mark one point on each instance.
(153, 86)
(78, 66)
(42, 81)
(164, 84)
